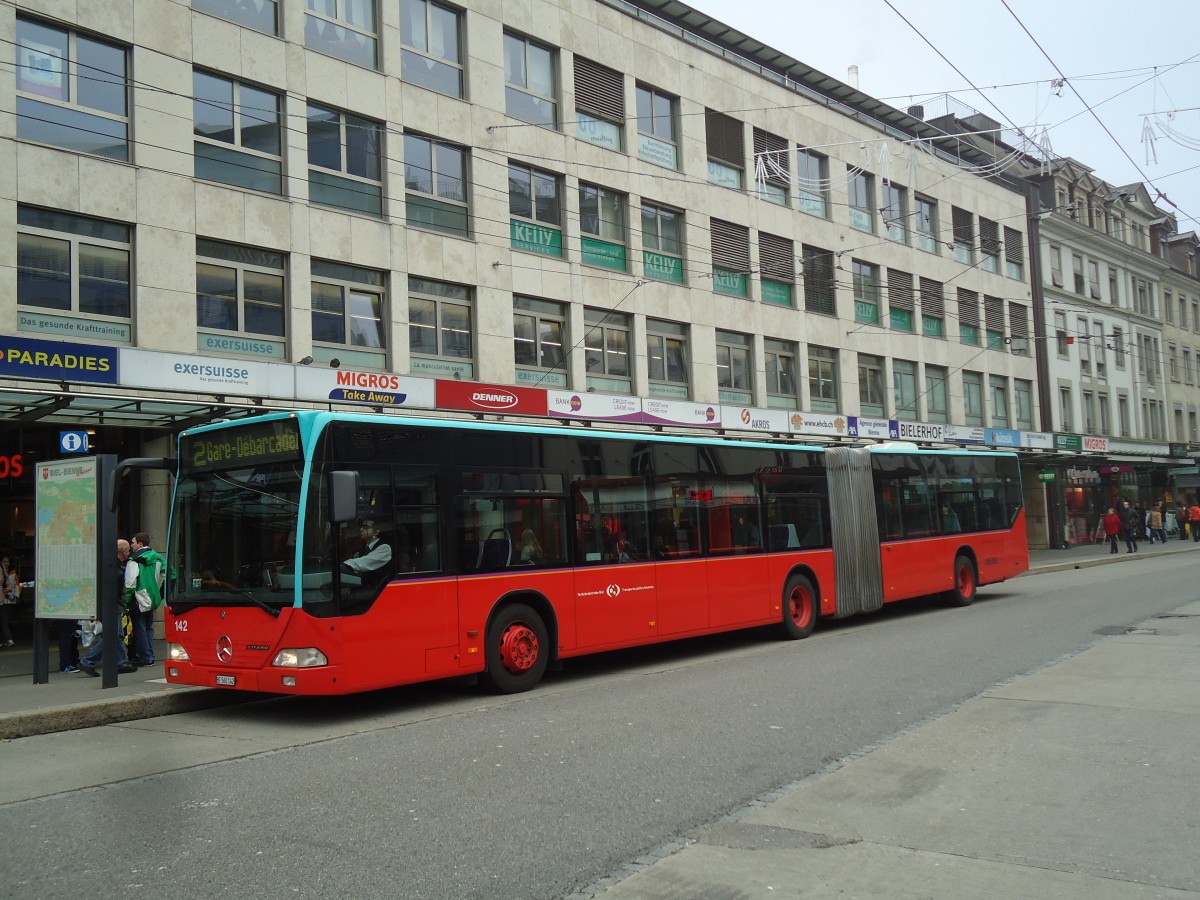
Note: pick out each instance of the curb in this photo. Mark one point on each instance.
(87, 714)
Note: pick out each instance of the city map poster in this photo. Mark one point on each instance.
(67, 493)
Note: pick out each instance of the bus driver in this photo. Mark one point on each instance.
(372, 557)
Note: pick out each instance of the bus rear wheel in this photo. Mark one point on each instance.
(518, 647)
(966, 582)
(799, 607)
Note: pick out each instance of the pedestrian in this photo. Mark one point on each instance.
(1181, 518)
(68, 645)
(12, 593)
(1130, 523)
(1156, 524)
(1112, 528)
(88, 664)
(1194, 520)
(145, 574)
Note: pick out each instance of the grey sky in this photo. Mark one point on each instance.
(1104, 47)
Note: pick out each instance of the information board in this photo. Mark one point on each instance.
(67, 493)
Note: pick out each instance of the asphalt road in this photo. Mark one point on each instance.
(443, 791)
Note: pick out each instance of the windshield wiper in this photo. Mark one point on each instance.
(179, 607)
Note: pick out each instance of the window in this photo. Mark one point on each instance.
(904, 387)
(1187, 366)
(599, 104)
(812, 176)
(1014, 254)
(1077, 272)
(1102, 407)
(539, 335)
(71, 91)
(895, 212)
(666, 359)
(606, 351)
(346, 29)
(1018, 328)
(240, 289)
(926, 225)
(1061, 342)
(261, 15)
(1065, 408)
(1023, 397)
(1114, 296)
(936, 404)
(861, 190)
(820, 286)
(662, 243)
(1141, 296)
(964, 235)
(900, 300)
(1118, 340)
(972, 398)
(602, 227)
(822, 379)
(731, 258)
(865, 279)
(871, 398)
(1056, 269)
(435, 186)
(1100, 350)
(989, 245)
(998, 386)
(772, 174)
(657, 142)
(74, 266)
(777, 268)
(1195, 316)
(530, 92)
(431, 46)
(1173, 362)
(535, 222)
(440, 335)
(344, 154)
(933, 308)
(726, 149)
(733, 367)
(968, 317)
(993, 323)
(1093, 279)
(1183, 313)
(1122, 414)
(347, 309)
(237, 133)
(1087, 406)
(780, 359)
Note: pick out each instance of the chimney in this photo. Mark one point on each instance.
(917, 112)
(852, 77)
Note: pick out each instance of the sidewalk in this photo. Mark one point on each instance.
(74, 700)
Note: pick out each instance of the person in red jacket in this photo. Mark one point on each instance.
(1112, 528)
(1194, 520)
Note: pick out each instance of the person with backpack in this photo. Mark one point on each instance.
(145, 574)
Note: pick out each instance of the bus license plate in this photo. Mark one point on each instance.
(227, 681)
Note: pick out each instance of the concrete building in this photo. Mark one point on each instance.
(221, 208)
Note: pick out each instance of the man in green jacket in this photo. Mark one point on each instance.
(144, 576)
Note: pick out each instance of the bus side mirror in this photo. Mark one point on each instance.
(343, 496)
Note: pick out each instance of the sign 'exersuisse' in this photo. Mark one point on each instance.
(240, 447)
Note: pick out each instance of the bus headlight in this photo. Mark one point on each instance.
(300, 658)
(176, 653)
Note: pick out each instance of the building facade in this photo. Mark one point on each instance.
(224, 207)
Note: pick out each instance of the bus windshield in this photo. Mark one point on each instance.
(234, 526)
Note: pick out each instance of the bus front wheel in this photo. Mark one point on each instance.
(966, 582)
(799, 607)
(518, 647)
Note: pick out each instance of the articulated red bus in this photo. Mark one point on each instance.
(327, 553)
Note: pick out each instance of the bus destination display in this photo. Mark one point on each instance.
(241, 446)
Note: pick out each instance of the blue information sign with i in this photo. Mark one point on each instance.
(73, 441)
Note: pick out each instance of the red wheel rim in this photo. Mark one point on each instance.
(519, 648)
(800, 606)
(966, 580)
